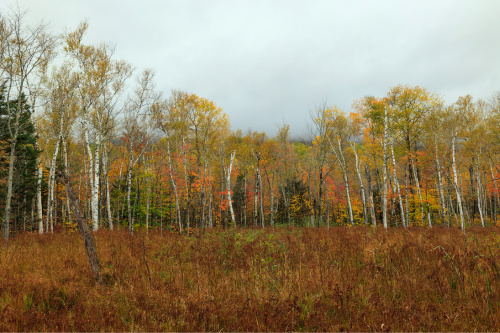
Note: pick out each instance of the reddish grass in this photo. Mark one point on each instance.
(295, 279)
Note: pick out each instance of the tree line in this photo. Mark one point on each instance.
(139, 158)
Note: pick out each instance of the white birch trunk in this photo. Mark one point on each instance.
(261, 200)
(186, 179)
(370, 195)
(90, 176)
(105, 159)
(361, 187)
(228, 187)
(455, 183)
(271, 197)
(95, 189)
(396, 186)
(210, 222)
(496, 195)
(39, 208)
(51, 185)
(440, 182)
(177, 209)
(66, 169)
(341, 159)
(256, 195)
(385, 157)
(129, 189)
(415, 176)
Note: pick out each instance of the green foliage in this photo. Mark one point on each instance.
(26, 153)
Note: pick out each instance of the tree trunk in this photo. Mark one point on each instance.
(148, 198)
(51, 185)
(496, 196)
(8, 200)
(479, 194)
(84, 228)
(129, 189)
(245, 202)
(261, 194)
(396, 185)
(228, 187)
(105, 159)
(384, 196)
(210, 221)
(256, 196)
(187, 186)
(39, 208)
(440, 182)
(177, 208)
(95, 189)
(361, 185)
(370, 195)
(455, 184)
(417, 183)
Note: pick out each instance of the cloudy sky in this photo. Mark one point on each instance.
(268, 61)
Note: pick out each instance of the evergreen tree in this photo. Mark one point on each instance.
(25, 168)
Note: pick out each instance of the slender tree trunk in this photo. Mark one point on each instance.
(12, 159)
(177, 208)
(370, 195)
(136, 199)
(396, 185)
(417, 183)
(117, 208)
(90, 210)
(495, 194)
(187, 186)
(95, 190)
(261, 194)
(479, 194)
(385, 157)
(148, 202)
(245, 202)
(455, 184)
(105, 159)
(228, 187)
(271, 197)
(39, 208)
(440, 182)
(129, 189)
(51, 185)
(84, 229)
(361, 185)
(256, 196)
(210, 222)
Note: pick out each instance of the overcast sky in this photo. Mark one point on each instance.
(265, 61)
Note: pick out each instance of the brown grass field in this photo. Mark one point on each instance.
(289, 279)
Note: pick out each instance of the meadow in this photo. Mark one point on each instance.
(282, 279)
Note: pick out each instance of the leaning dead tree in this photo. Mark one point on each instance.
(84, 228)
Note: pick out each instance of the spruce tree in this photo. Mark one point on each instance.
(25, 168)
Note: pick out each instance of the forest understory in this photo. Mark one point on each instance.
(281, 279)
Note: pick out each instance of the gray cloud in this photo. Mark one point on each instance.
(264, 60)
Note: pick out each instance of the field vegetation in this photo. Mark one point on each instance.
(281, 279)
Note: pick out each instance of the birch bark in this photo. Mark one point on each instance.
(396, 185)
(361, 185)
(228, 187)
(385, 157)
(455, 182)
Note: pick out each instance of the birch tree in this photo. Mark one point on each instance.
(24, 49)
(136, 126)
(340, 131)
